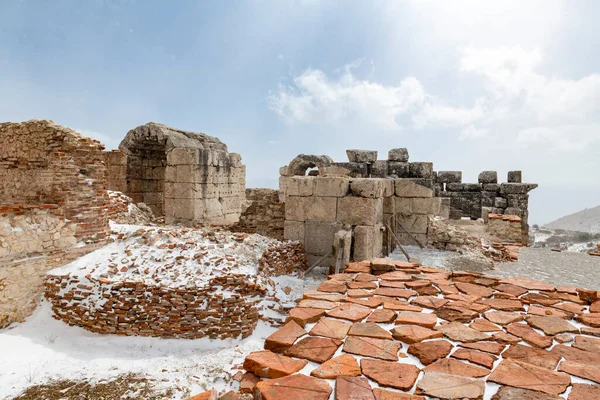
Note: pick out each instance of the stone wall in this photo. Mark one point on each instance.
(506, 227)
(186, 177)
(53, 207)
(225, 308)
(262, 212)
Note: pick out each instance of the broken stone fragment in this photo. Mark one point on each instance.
(361, 156)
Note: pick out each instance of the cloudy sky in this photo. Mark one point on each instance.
(470, 85)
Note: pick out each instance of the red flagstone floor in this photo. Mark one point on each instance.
(391, 330)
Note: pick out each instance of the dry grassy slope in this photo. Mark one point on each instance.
(587, 220)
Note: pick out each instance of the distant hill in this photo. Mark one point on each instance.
(587, 220)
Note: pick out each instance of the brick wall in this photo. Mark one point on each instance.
(262, 213)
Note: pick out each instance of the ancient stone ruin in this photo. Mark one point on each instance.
(186, 177)
(53, 207)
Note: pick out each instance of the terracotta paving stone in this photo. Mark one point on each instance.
(528, 376)
(370, 347)
(369, 329)
(463, 297)
(331, 328)
(358, 267)
(382, 265)
(419, 283)
(382, 316)
(483, 325)
(361, 285)
(351, 312)
(316, 295)
(476, 357)
(550, 325)
(284, 337)
(359, 293)
(248, 382)
(532, 355)
(303, 316)
(231, 395)
(590, 331)
(267, 364)
(365, 278)
(297, 387)
(503, 304)
(528, 284)
(413, 333)
(503, 317)
(320, 304)
(372, 302)
(543, 311)
(567, 297)
(479, 308)
(588, 295)
(315, 349)
(344, 365)
(488, 347)
(503, 337)
(566, 289)
(391, 374)
(592, 320)
(392, 284)
(395, 276)
(428, 291)
(582, 391)
(512, 393)
(415, 318)
(581, 370)
(595, 307)
(208, 395)
(382, 394)
(342, 277)
(538, 298)
(400, 305)
(527, 333)
(576, 355)
(569, 307)
(405, 264)
(454, 312)
(473, 289)
(444, 386)
(430, 351)
(587, 344)
(461, 333)
(454, 367)
(332, 287)
(448, 289)
(353, 388)
(563, 338)
(429, 302)
(511, 289)
(392, 292)
(504, 295)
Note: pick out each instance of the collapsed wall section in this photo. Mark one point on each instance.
(262, 212)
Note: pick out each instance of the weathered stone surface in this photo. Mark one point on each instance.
(284, 337)
(393, 292)
(331, 328)
(391, 374)
(444, 386)
(581, 370)
(411, 188)
(503, 337)
(395, 276)
(476, 357)
(449, 177)
(267, 364)
(551, 325)
(488, 347)
(369, 329)
(592, 320)
(371, 188)
(581, 391)
(382, 316)
(358, 293)
(382, 394)
(361, 285)
(503, 317)
(527, 333)
(527, 376)
(416, 318)
(351, 312)
(488, 177)
(398, 154)
(429, 302)
(343, 365)
(483, 325)
(461, 333)
(382, 265)
(359, 211)
(413, 333)
(532, 355)
(503, 304)
(455, 367)
(370, 347)
(587, 344)
(430, 351)
(300, 387)
(475, 290)
(576, 355)
(317, 304)
(455, 312)
(315, 349)
(512, 393)
(353, 388)
(361, 156)
(332, 186)
(332, 287)
(303, 316)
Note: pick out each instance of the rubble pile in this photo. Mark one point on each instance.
(283, 259)
(122, 210)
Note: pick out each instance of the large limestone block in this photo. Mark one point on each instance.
(379, 169)
(398, 154)
(426, 206)
(488, 177)
(207, 209)
(301, 186)
(410, 188)
(237, 175)
(517, 188)
(230, 205)
(364, 238)
(183, 156)
(186, 173)
(318, 236)
(449, 177)
(359, 210)
(413, 223)
(367, 187)
(293, 230)
(331, 186)
(389, 205)
(361, 156)
(388, 187)
(403, 205)
(421, 170)
(310, 208)
(515, 177)
(398, 169)
(179, 209)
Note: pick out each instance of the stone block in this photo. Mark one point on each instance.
(318, 236)
(311, 208)
(361, 156)
(449, 177)
(207, 209)
(179, 209)
(422, 170)
(491, 187)
(301, 186)
(183, 156)
(398, 154)
(488, 177)
(293, 230)
(331, 186)
(367, 187)
(377, 240)
(285, 171)
(398, 169)
(438, 189)
(500, 202)
(342, 242)
(412, 188)
(412, 223)
(389, 205)
(230, 205)
(404, 205)
(515, 177)
(445, 207)
(359, 210)
(517, 200)
(487, 199)
(517, 188)
(379, 169)
(363, 243)
(352, 169)
(235, 160)
(185, 173)
(426, 206)
(464, 187)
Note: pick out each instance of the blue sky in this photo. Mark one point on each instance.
(471, 85)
